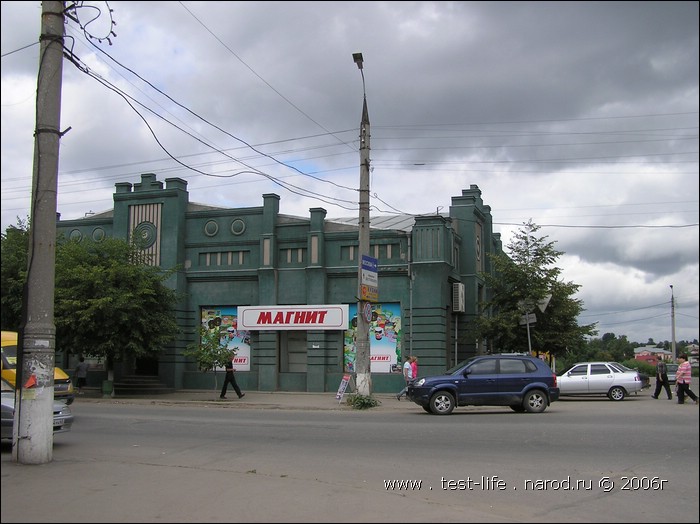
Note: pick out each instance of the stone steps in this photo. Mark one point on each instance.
(140, 385)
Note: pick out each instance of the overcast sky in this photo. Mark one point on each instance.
(579, 116)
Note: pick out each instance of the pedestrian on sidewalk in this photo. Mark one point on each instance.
(230, 378)
(414, 367)
(683, 380)
(81, 371)
(661, 379)
(407, 376)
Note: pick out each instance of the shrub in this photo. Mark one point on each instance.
(358, 401)
(642, 367)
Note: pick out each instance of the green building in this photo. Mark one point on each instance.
(283, 289)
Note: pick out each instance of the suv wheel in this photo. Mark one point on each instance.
(616, 393)
(442, 403)
(535, 401)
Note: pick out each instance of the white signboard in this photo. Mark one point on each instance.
(528, 319)
(323, 317)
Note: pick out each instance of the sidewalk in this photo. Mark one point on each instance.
(253, 400)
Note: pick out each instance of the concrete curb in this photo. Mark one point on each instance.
(254, 400)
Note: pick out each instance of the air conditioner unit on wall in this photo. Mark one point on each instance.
(458, 297)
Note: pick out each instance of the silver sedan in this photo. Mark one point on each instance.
(600, 378)
(62, 414)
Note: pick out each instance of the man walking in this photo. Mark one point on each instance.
(661, 379)
(230, 379)
(81, 373)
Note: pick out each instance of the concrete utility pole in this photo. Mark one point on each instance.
(363, 377)
(673, 325)
(33, 423)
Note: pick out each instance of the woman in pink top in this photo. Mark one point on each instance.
(414, 367)
(683, 380)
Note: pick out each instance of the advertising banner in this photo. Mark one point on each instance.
(224, 319)
(384, 339)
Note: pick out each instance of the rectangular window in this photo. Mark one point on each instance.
(293, 256)
(347, 253)
(314, 249)
(266, 252)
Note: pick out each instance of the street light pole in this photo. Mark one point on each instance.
(673, 325)
(363, 378)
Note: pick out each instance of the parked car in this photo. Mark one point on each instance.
(600, 378)
(522, 382)
(646, 381)
(671, 372)
(62, 415)
(62, 385)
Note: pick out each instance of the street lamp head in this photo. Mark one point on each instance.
(357, 57)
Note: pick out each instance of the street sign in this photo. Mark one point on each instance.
(367, 311)
(343, 387)
(369, 293)
(528, 319)
(369, 271)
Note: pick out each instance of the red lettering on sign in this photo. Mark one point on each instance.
(292, 317)
(265, 317)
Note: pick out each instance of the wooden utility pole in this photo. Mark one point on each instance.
(33, 423)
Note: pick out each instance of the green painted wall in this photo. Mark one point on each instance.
(256, 256)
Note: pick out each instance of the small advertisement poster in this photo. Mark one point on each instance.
(384, 339)
(224, 319)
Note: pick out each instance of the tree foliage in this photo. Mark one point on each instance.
(210, 351)
(13, 273)
(521, 279)
(109, 303)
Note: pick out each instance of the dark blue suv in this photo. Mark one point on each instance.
(520, 381)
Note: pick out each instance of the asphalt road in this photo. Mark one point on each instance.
(583, 460)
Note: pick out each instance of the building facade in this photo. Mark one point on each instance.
(282, 290)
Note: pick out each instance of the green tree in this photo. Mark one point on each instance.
(209, 351)
(521, 279)
(607, 348)
(13, 273)
(109, 303)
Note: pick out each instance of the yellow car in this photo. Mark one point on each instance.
(62, 384)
